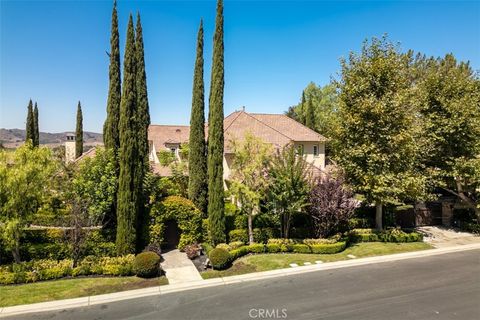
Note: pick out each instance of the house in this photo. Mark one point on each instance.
(276, 129)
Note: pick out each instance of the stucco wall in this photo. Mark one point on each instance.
(318, 161)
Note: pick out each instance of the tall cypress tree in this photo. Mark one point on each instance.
(127, 205)
(303, 106)
(197, 161)
(111, 137)
(79, 132)
(36, 133)
(143, 121)
(216, 205)
(110, 128)
(310, 115)
(30, 128)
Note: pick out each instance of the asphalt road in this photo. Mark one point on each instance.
(437, 287)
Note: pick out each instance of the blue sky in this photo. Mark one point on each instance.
(54, 51)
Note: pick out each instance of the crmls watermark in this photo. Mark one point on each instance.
(261, 313)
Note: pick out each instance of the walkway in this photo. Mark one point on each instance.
(178, 268)
(441, 237)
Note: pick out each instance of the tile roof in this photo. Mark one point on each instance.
(277, 129)
(165, 134)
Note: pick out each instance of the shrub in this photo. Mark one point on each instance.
(256, 248)
(207, 247)
(262, 235)
(36, 251)
(192, 251)
(223, 246)
(280, 241)
(360, 223)
(331, 205)
(238, 235)
(328, 248)
(320, 241)
(471, 227)
(240, 252)
(301, 248)
(219, 258)
(146, 265)
(273, 247)
(236, 244)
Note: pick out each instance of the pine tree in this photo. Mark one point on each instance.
(110, 128)
(303, 107)
(310, 115)
(36, 133)
(197, 161)
(79, 132)
(127, 205)
(216, 205)
(143, 121)
(30, 128)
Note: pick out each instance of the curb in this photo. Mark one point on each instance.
(161, 290)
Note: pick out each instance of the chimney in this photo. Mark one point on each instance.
(70, 148)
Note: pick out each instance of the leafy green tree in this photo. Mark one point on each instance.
(325, 108)
(90, 195)
(289, 186)
(143, 122)
(127, 197)
(36, 133)
(24, 180)
(248, 178)
(30, 128)
(95, 183)
(376, 141)
(216, 205)
(197, 161)
(449, 95)
(79, 132)
(111, 137)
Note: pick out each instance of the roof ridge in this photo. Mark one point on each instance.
(238, 115)
(284, 115)
(269, 126)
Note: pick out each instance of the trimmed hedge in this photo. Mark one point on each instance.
(285, 246)
(390, 235)
(40, 270)
(147, 264)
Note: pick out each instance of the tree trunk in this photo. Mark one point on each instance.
(378, 215)
(287, 224)
(16, 254)
(250, 228)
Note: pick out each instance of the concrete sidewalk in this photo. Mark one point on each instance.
(125, 295)
(178, 268)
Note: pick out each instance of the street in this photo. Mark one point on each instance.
(437, 287)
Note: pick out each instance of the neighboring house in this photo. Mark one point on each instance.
(276, 129)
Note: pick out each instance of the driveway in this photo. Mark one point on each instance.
(442, 237)
(436, 287)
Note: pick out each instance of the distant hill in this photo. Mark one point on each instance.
(12, 138)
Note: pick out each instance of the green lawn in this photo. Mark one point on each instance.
(71, 288)
(264, 262)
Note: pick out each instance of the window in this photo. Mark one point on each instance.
(315, 150)
(174, 150)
